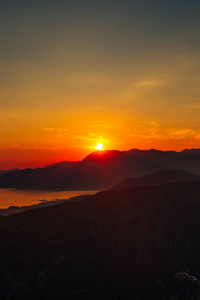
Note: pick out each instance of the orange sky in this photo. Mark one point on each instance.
(123, 73)
(75, 135)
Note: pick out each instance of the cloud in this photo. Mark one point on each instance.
(154, 124)
(184, 133)
(92, 137)
(54, 129)
(150, 83)
(153, 130)
(106, 126)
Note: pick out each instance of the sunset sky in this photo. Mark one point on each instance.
(124, 73)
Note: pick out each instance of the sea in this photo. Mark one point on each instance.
(15, 197)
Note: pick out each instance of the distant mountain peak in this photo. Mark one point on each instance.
(62, 164)
(157, 178)
(193, 151)
(102, 154)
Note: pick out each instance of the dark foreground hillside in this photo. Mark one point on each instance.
(138, 243)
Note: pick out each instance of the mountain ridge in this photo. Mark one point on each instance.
(157, 178)
(101, 170)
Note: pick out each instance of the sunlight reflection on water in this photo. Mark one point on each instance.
(13, 197)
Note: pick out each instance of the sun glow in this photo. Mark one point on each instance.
(99, 146)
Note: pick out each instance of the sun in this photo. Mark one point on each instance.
(99, 146)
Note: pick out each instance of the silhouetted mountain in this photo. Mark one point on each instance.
(160, 177)
(102, 169)
(7, 171)
(191, 151)
(67, 164)
(126, 243)
(171, 160)
(39, 178)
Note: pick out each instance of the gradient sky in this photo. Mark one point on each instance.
(75, 73)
